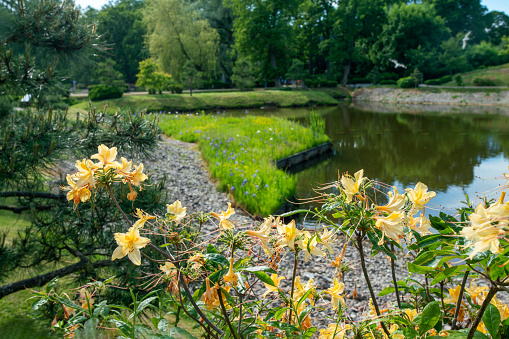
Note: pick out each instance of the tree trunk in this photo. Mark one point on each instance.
(274, 65)
(346, 73)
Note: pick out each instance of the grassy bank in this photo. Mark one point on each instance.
(500, 75)
(213, 100)
(240, 153)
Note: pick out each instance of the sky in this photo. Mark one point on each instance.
(493, 5)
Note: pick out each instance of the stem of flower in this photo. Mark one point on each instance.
(223, 309)
(295, 265)
(491, 293)
(368, 282)
(240, 315)
(427, 287)
(460, 299)
(118, 206)
(442, 295)
(395, 282)
(186, 289)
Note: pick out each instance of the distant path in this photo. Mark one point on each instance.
(480, 88)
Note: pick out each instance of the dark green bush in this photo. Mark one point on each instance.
(176, 88)
(206, 85)
(102, 92)
(328, 83)
(407, 82)
(216, 84)
(484, 81)
(310, 83)
(388, 82)
(445, 78)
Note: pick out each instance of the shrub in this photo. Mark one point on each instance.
(216, 84)
(459, 80)
(484, 81)
(407, 82)
(388, 82)
(102, 92)
(281, 89)
(176, 88)
(445, 78)
(329, 83)
(310, 82)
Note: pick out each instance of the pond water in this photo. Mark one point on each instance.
(453, 150)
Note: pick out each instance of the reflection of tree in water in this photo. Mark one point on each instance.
(439, 150)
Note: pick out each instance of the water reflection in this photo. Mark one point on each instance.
(452, 149)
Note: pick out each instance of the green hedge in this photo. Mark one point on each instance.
(388, 82)
(407, 82)
(102, 92)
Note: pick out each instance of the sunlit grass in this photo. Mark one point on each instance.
(241, 152)
(209, 101)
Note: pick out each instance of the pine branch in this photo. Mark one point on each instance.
(43, 279)
(18, 209)
(32, 195)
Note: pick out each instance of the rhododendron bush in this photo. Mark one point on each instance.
(458, 272)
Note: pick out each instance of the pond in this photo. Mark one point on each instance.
(454, 150)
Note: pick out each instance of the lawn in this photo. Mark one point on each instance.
(210, 101)
(500, 75)
(240, 152)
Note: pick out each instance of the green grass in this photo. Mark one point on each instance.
(209, 101)
(500, 75)
(240, 152)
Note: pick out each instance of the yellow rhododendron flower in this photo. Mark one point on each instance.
(124, 168)
(264, 235)
(391, 226)
(308, 246)
(334, 331)
(106, 157)
(396, 202)
(351, 187)
(454, 294)
(224, 223)
(168, 268)
(198, 260)
(85, 299)
(231, 277)
(129, 244)
(420, 196)
(336, 293)
(85, 174)
(76, 193)
(482, 232)
(475, 291)
(503, 309)
(176, 210)
(209, 297)
(137, 175)
(424, 225)
(299, 290)
(327, 237)
(270, 288)
(142, 218)
(289, 233)
(410, 313)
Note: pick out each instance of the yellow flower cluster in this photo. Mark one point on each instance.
(487, 225)
(395, 215)
(84, 180)
(288, 235)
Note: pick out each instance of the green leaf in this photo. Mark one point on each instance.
(429, 317)
(70, 304)
(410, 333)
(51, 284)
(162, 325)
(178, 332)
(211, 249)
(38, 303)
(447, 273)
(304, 297)
(142, 305)
(413, 268)
(218, 259)
(279, 314)
(265, 278)
(491, 319)
(258, 269)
